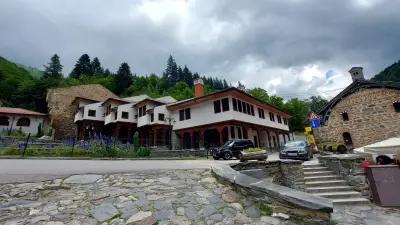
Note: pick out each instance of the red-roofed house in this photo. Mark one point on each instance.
(17, 118)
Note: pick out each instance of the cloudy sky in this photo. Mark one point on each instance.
(294, 48)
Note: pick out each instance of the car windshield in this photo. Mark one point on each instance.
(295, 144)
(228, 143)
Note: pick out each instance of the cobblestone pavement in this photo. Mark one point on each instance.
(168, 197)
(365, 214)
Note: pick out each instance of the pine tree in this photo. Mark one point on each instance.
(54, 68)
(180, 75)
(187, 76)
(96, 66)
(123, 78)
(82, 67)
(171, 72)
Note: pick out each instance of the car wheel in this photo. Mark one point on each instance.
(227, 155)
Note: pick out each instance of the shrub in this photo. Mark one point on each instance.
(13, 150)
(143, 152)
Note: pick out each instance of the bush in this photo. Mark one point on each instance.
(266, 210)
(143, 152)
(13, 150)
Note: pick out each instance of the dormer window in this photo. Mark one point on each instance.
(396, 106)
(345, 116)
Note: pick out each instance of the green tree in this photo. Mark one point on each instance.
(260, 94)
(53, 69)
(276, 101)
(82, 67)
(299, 110)
(180, 91)
(187, 76)
(315, 103)
(171, 72)
(123, 78)
(96, 66)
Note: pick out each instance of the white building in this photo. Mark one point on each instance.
(197, 122)
(21, 119)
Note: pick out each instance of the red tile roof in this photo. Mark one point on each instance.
(19, 111)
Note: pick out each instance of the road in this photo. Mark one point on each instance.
(33, 170)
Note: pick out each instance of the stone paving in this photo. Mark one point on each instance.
(180, 197)
(150, 197)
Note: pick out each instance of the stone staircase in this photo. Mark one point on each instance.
(320, 181)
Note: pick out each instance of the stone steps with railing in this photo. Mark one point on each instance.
(320, 181)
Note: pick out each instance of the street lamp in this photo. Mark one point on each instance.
(170, 121)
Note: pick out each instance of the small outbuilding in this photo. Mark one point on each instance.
(22, 119)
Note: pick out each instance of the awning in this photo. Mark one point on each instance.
(389, 147)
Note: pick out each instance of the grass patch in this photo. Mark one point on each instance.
(265, 209)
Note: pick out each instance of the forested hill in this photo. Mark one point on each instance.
(391, 73)
(26, 87)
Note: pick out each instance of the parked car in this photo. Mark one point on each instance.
(296, 150)
(232, 148)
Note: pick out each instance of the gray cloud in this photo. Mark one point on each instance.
(294, 48)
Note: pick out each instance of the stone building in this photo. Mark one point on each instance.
(363, 113)
(62, 107)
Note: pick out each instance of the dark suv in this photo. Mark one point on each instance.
(232, 148)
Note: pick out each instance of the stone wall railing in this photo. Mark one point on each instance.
(280, 199)
(349, 168)
(283, 172)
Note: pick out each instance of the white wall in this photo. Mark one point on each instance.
(99, 112)
(33, 127)
(132, 112)
(203, 113)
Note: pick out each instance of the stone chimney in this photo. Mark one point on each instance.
(198, 87)
(356, 73)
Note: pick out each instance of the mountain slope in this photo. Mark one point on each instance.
(391, 73)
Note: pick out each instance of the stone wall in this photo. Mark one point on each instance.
(349, 168)
(283, 172)
(62, 111)
(305, 207)
(372, 118)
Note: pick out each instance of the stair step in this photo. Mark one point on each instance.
(328, 189)
(326, 183)
(339, 194)
(319, 168)
(319, 173)
(322, 178)
(348, 201)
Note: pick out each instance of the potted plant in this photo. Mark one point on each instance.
(253, 154)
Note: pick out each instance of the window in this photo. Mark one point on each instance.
(161, 117)
(396, 106)
(244, 106)
(239, 105)
(92, 113)
(125, 115)
(248, 108)
(187, 113)
(115, 115)
(279, 118)
(234, 103)
(345, 116)
(140, 111)
(181, 115)
(252, 110)
(225, 104)
(217, 106)
(108, 111)
(184, 114)
(261, 113)
(285, 121)
(271, 116)
(4, 121)
(233, 132)
(24, 122)
(151, 117)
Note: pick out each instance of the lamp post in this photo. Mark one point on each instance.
(170, 121)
